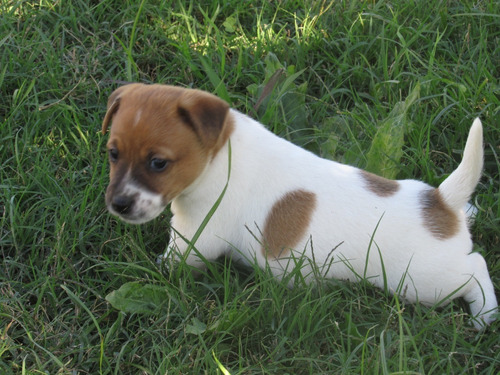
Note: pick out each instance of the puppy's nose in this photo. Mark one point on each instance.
(122, 204)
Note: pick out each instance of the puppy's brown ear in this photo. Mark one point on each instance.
(112, 108)
(206, 114)
(113, 105)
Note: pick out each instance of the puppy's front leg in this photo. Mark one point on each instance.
(178, 251)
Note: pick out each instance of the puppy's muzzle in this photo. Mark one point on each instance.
(134, 204)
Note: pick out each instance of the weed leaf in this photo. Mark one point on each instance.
(134, 297)
(386, 150)
(196, 328)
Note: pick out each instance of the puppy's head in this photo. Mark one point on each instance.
(161, 140)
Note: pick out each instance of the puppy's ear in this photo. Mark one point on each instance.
(113, 105)
(206, 114)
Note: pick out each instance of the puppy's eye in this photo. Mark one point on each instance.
(158, 165)
(113, 154)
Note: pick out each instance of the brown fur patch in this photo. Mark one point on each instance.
(287, 222)
(381, 186)
(439, 219)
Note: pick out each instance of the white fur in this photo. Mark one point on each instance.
(459, 186)
(361, 228)
(137, 118)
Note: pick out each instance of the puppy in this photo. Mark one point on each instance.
(277, 203)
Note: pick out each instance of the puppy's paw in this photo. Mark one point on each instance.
(171, 260)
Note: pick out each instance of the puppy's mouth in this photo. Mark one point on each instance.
(134, 215)
(135, 207)
(131, 219)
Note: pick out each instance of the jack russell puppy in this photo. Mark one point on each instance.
(279, 203)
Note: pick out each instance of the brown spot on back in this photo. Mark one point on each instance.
(287, 222)
(381, 186)
(439, 219)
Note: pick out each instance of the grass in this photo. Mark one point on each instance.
(327, 76)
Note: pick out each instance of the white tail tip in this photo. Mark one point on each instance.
(459, 186)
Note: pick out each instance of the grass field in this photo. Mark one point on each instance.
(336, 74)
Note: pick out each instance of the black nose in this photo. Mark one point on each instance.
(122, 204)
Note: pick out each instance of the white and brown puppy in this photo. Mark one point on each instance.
(172, 145)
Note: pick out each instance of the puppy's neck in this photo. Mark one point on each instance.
(207, 187)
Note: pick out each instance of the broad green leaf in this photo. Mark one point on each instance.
(134, 297)
(196, 328)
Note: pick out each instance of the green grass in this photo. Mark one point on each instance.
(325, 75)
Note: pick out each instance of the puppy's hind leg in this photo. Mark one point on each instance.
(481, 294)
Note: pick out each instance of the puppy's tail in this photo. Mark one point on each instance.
(459, 186)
